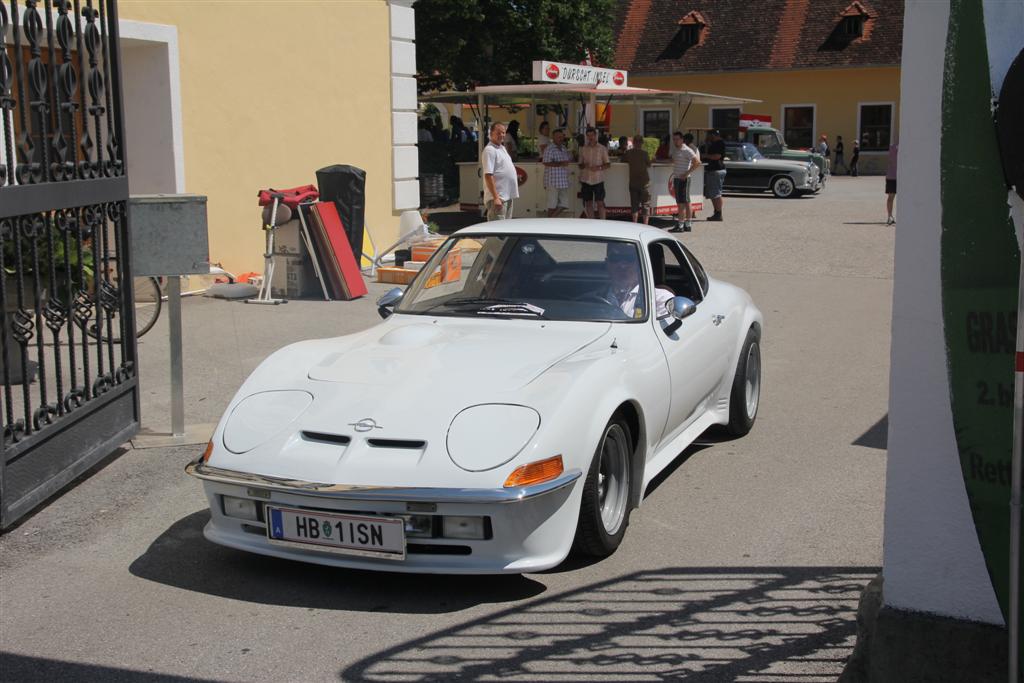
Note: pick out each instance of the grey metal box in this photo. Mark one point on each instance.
(168, 234)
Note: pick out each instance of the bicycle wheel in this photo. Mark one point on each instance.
(147, 304)
(147, 295)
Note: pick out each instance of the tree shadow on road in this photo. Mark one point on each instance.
(183, 558)
(697, 623)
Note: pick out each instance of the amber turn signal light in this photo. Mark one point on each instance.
(208, 451)
(535, 472)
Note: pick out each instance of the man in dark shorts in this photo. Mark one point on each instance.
(594, 161)
(890, 183)
(639, 179)
(685, 160)
(714, 172)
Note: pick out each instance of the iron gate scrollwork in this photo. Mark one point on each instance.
(70, 390)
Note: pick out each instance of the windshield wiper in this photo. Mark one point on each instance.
(513, 309)
(468, 301)
(486, 304)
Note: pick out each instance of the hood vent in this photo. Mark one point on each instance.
(396, 443)
(336, 439)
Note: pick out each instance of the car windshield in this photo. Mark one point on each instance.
(767, 140)
(531, 276)
(750, 152)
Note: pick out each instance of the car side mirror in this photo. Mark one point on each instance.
(388, 301)
(681, 307)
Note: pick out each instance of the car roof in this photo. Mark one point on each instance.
(567, 227)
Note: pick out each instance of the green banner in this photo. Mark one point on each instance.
(980, 272)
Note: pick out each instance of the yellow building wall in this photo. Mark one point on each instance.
(835, 93)
(270, 92)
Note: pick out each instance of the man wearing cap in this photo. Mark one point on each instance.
(501, 184)
(714, 172)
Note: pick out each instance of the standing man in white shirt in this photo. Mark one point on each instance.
(684, 161)
(594, 161)
(501, 185)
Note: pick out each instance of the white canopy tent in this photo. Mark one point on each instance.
(482, 97)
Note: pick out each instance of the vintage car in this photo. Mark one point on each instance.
(748, 171)
(515, 402)
(770, 142)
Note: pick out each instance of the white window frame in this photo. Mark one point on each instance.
(814, 120)
(892, 125)
(137, 33)
(643, 110)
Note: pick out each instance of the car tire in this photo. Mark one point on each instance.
(746, 386)
(607, 493)
(783, 187)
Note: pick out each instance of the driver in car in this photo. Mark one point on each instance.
(624, 289)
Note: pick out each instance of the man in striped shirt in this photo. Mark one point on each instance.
(684, 161)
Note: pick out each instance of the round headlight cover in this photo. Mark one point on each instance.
(486, 436)
(259, 417)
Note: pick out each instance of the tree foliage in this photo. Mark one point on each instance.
(461, 43)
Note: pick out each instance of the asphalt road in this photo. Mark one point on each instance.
(744, 562)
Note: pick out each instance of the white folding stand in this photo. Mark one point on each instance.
(263, 297)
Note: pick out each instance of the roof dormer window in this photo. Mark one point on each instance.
(852, 27)
(690, 34)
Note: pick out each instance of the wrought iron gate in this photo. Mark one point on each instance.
(70, 390)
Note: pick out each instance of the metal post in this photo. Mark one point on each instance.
(480, 142)
(531, 117)
(1015, 487)
(177, 374)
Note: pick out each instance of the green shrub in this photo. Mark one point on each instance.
(651, 146)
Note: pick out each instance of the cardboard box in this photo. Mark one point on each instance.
(294, 278)
(451, 267)
(422, 251)
(288, 239)
(396, 276)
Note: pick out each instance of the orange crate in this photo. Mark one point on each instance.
(422, 251)
(395, 276)
(451, 268)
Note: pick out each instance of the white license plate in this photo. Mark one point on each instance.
(347, 534)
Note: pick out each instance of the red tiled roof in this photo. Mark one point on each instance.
(769, 34)
(629, 35)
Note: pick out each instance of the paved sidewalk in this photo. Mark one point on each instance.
(744, 562)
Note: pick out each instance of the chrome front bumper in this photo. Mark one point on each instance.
(201, 470)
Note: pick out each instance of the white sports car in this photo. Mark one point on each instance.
(514, 404)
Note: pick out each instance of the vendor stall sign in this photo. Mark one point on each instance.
(755, 121)
(579, 74)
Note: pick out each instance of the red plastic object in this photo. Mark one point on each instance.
(342, 267)
(291, 197)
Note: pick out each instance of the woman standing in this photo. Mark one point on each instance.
(512, 140)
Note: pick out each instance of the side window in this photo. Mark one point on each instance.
(698, 269)
(670, 270)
